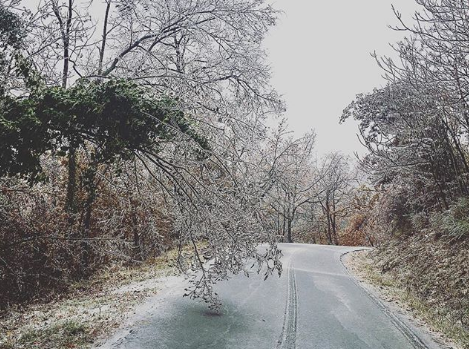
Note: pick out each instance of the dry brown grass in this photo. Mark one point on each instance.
(393, 285)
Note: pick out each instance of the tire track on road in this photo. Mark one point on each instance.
(287, 338)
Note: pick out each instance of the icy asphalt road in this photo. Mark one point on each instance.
(315, 304)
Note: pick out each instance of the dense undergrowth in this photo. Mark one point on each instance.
(416, 130)
(427, 257)
(42, 249)
(435, 270)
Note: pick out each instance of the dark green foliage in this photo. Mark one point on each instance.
(12, 33)
(453, 223)
(118, 117)
(11, 28)
(23, 138)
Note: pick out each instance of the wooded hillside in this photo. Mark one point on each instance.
(416, 130)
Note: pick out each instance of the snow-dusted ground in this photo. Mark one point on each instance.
(91, 310)
(167, 287)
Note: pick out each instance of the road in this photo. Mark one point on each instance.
(315, 304)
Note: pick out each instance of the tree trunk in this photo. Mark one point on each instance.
(284, 227)
(86, 233)
(70, 205)
(335, 238)
(329, 224)
(136, 237)
(289, 230)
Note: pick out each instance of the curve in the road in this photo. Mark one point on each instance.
(316, 304)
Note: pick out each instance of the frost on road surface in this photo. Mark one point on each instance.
(315, 304)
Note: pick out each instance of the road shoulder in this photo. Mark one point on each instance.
(92, 311)
(394, 300)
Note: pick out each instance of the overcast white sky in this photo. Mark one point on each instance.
(319, 53)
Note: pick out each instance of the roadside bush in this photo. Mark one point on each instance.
(33, 257)
(453, 223)
(420, 221)
(355, 234)
(42, 249)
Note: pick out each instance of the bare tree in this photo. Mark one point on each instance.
(332, 191)
(294, 179)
